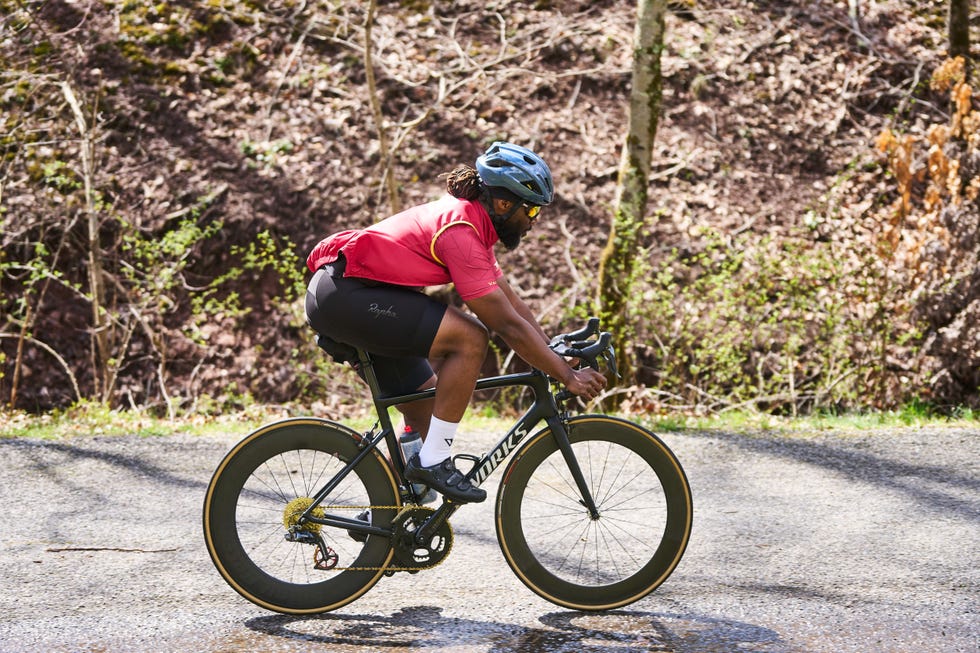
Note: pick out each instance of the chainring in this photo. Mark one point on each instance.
(412, 555)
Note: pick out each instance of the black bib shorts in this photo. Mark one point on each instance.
(396, 325)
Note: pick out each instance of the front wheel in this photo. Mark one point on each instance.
(568, 557)
(252, 508)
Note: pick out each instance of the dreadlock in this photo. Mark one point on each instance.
(464, 183)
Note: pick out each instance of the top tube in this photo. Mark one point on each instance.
(533, 378)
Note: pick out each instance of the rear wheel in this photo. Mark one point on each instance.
(555, 546)
(258, 492)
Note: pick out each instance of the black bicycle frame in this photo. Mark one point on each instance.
(544, 408)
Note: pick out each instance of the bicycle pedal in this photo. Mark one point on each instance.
(425, 495)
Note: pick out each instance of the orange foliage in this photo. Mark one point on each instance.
(916, 220)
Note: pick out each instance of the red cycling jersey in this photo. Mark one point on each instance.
(449, 240)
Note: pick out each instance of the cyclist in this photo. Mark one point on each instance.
(366, 287)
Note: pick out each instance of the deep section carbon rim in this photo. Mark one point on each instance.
(557, 548)
(258, 492)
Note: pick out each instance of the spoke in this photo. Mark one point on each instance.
(254, 522)
(300, 459)
(593, 552)
(598, 487)
(563, 474)
(595, 539)
(593, 486)
(323, 470)
(572, 550)
(576, 508)
(646, 545)
(564, 528)
(612, 558)
(270, 536)
(625, 485)
(631, 526)
(276, 508)
(615, 485)
(292, 481)
(274, 487)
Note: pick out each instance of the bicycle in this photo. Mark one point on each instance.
(593, 513)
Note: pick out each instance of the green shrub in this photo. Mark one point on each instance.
(744, 323)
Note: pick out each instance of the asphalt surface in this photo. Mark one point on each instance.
(802, 543)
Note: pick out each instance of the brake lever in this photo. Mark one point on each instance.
(586, 351)
(589, 352)
(609, 355)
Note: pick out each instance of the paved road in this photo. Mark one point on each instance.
(809, 543)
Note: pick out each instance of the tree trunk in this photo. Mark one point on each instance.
(101, 367)
(387, 157)
(959, 30)
(629, 219)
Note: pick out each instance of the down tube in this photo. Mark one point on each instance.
(508, 443)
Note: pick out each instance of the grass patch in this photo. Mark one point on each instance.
(95, 420)
(736, 422)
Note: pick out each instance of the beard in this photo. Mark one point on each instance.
(510, 235)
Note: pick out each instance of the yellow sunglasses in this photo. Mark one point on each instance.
(531, 210)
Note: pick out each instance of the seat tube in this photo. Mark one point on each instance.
(565, 446)
(366, 368)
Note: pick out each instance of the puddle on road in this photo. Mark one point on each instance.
(425, 628)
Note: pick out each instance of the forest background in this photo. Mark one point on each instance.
(811, 241)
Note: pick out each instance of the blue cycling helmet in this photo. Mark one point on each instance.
(519, 170)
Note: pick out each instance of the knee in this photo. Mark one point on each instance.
(477, 339)
(463, 335)
(481, 336)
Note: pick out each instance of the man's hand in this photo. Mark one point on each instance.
(586, 383)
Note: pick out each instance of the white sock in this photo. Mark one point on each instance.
(438, 442)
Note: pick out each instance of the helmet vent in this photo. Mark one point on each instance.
(517, 169)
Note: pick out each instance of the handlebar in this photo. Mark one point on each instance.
(591, 328)
(581, 345)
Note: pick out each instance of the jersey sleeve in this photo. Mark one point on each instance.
(471, 264)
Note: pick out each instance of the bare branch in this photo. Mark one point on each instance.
(56, 355)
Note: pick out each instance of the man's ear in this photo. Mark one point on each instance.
(502, 205)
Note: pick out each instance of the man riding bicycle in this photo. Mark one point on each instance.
(365, 293)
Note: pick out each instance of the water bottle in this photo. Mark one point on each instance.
(411, 443)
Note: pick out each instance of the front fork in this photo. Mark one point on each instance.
(560, 433)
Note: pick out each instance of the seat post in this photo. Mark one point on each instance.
(366, 367)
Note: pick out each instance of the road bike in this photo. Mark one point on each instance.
(593, 512)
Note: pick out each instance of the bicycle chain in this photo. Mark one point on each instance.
(388, 568)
